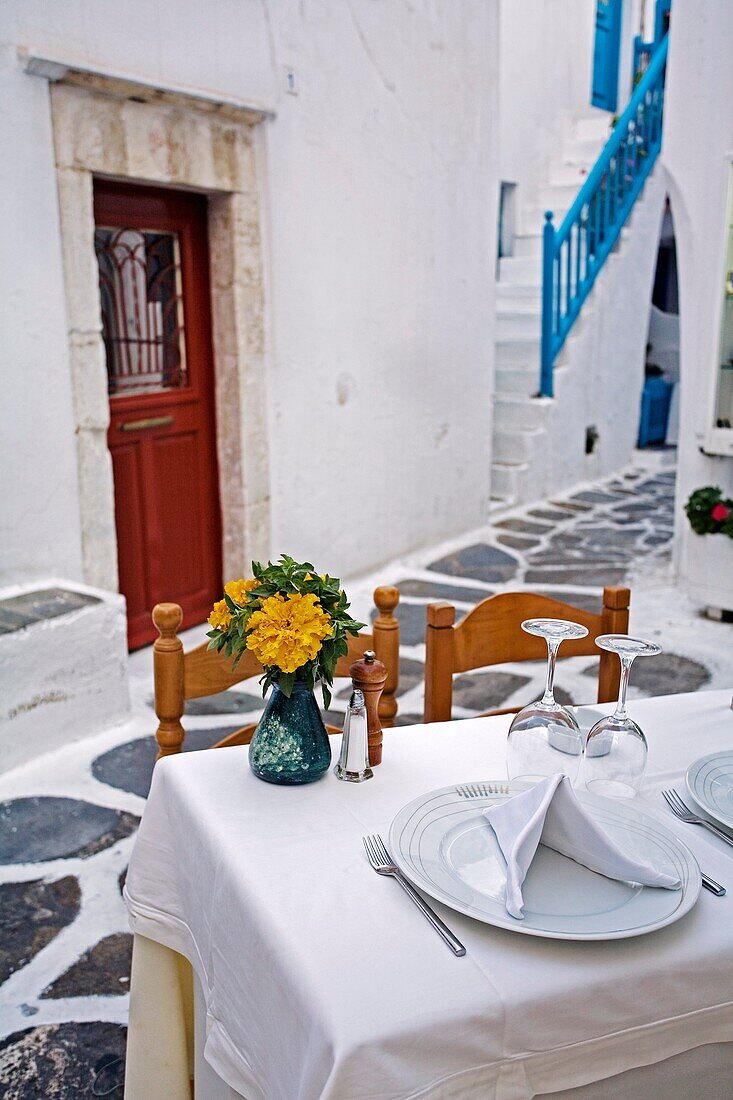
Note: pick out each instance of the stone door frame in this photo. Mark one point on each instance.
(131, 132)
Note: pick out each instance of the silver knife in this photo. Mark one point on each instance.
(713, 886)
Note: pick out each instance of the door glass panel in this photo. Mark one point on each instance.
(142, 310)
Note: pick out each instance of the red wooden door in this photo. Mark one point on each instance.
(152, 251)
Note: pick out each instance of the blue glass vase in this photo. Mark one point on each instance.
(290, 744)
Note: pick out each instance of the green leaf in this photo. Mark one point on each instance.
(286, 680)
(326, 694)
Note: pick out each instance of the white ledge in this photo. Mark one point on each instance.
(129, 86)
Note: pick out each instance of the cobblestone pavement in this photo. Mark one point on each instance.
(67, 821)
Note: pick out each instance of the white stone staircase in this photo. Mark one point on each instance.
(519, 417)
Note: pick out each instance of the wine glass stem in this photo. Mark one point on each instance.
(552, 648)
(626, 663)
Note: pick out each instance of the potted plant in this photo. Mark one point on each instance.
(295, 622)
(710, 553)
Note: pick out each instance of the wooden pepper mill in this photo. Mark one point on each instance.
(369, 675)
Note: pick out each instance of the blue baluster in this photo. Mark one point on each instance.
(548, 281)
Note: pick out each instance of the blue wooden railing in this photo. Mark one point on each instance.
(573, 255)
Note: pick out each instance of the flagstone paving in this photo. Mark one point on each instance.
(67, 822)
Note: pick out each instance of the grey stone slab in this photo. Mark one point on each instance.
(595, 496)
(31, 915)
(619, 489)
(63, 1062)
(556, 515)
(518, 542)
(481, 691)
(226, 702)
(667, 674)
(632, 511)
(103, 971)
(37, 829)
(598, 534)
(434, 590)
(571, 538)
(129, 767)
(572, 505)
(568, 575)
(480, 561)
(411, 673)
(523, 526)
(583, 555)
(411, 617)
(409, 720)
(46, 603)
(657, 540)
(12, 620)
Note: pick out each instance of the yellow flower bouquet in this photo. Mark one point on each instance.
(292, 619)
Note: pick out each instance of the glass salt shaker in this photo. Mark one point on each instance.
(353, 762)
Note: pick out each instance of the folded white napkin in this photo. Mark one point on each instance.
(550, 814)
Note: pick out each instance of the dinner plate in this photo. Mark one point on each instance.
(445, 846)
(710, 782)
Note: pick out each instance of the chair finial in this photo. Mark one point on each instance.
(386, 597)
(167, 618)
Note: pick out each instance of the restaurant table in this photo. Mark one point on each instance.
(314, 977)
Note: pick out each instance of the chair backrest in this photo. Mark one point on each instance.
(180, 676)
(491, 634)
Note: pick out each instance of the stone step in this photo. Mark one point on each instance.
(524, 325)
(514, 447)
(518, 352)
(570, 174)
(520, 269)
(590, 126)
(528, 244)
(504, 483)
(585, 150)
(554, 197)
(516, 412)
(521, 294)
(517, 381)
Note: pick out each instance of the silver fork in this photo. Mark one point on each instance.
(684, 813)
(481, 790)
(383, 864)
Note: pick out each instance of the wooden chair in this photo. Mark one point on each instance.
(491, 634)
(180, 676)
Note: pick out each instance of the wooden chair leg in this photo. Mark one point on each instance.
(386, 634)
(614, 620)
(168, 676)
(439, 662)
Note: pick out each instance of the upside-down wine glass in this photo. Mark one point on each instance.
(616, 749)
(544, 737)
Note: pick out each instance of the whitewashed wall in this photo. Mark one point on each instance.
(546, 58)
(698, 139)
(380, 183)
(545, 74)
(39, 504)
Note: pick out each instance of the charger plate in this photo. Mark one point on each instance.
(445, 846)
(710, 782)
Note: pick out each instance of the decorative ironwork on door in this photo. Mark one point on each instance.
(142, 310)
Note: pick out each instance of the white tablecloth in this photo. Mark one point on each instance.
(320, 979)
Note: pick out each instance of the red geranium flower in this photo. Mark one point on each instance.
(720, 513)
